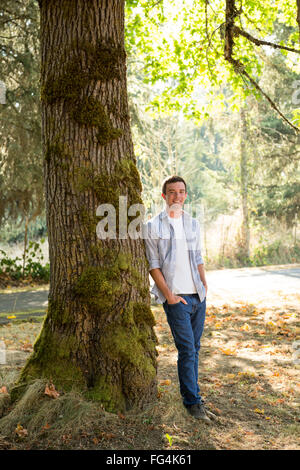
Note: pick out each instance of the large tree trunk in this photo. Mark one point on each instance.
(98, 333)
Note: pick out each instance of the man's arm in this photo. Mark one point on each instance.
(199, 259)
(202, 275)
(160, 281)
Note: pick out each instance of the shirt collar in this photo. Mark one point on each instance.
(164, 214)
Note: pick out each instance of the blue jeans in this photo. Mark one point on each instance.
(187, 323)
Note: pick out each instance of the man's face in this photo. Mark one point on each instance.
(175, 195)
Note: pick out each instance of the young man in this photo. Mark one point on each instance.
(172, 240)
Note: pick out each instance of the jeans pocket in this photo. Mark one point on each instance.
(174, 305)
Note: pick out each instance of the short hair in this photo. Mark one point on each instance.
(172, 179)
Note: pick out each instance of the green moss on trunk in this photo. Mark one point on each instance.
(102, 62)
(107, 186)
(53, 359)
(107, 393)
(128, 346)
(58, 152)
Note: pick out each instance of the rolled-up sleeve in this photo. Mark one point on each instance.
(151, 244)
(198, 255)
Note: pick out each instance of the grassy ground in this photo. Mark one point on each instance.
(246, 374)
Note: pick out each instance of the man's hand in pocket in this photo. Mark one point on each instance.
(175, 299)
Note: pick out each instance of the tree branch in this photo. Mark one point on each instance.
(230, 31)
(259, 42)
(238, 66)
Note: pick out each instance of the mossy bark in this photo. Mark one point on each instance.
(98, 333)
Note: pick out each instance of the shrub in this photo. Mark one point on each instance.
(13, 267)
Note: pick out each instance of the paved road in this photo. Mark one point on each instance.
(30, 303)
(23, 301)
(264, 285)
(253, 285)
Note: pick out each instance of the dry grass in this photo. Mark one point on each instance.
(246, 375)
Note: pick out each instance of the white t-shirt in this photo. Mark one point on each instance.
(183, 280)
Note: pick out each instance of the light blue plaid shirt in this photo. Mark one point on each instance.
(160, 245)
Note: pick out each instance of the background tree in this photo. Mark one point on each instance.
(276, 187)
(245, 228)
(21, 182)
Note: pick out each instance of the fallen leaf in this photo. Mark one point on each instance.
(229, 376)
(165, 382)
(3, 389)
(106, 435)
(214, 409)
(11, 316)
(246, 374)
(20, 431)
(245, 327)
(258, 387)
(51, 392)
(27, 347)
(228, 351)
(261, 332)
(47, 426)
(255, 312)
(257, 410)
